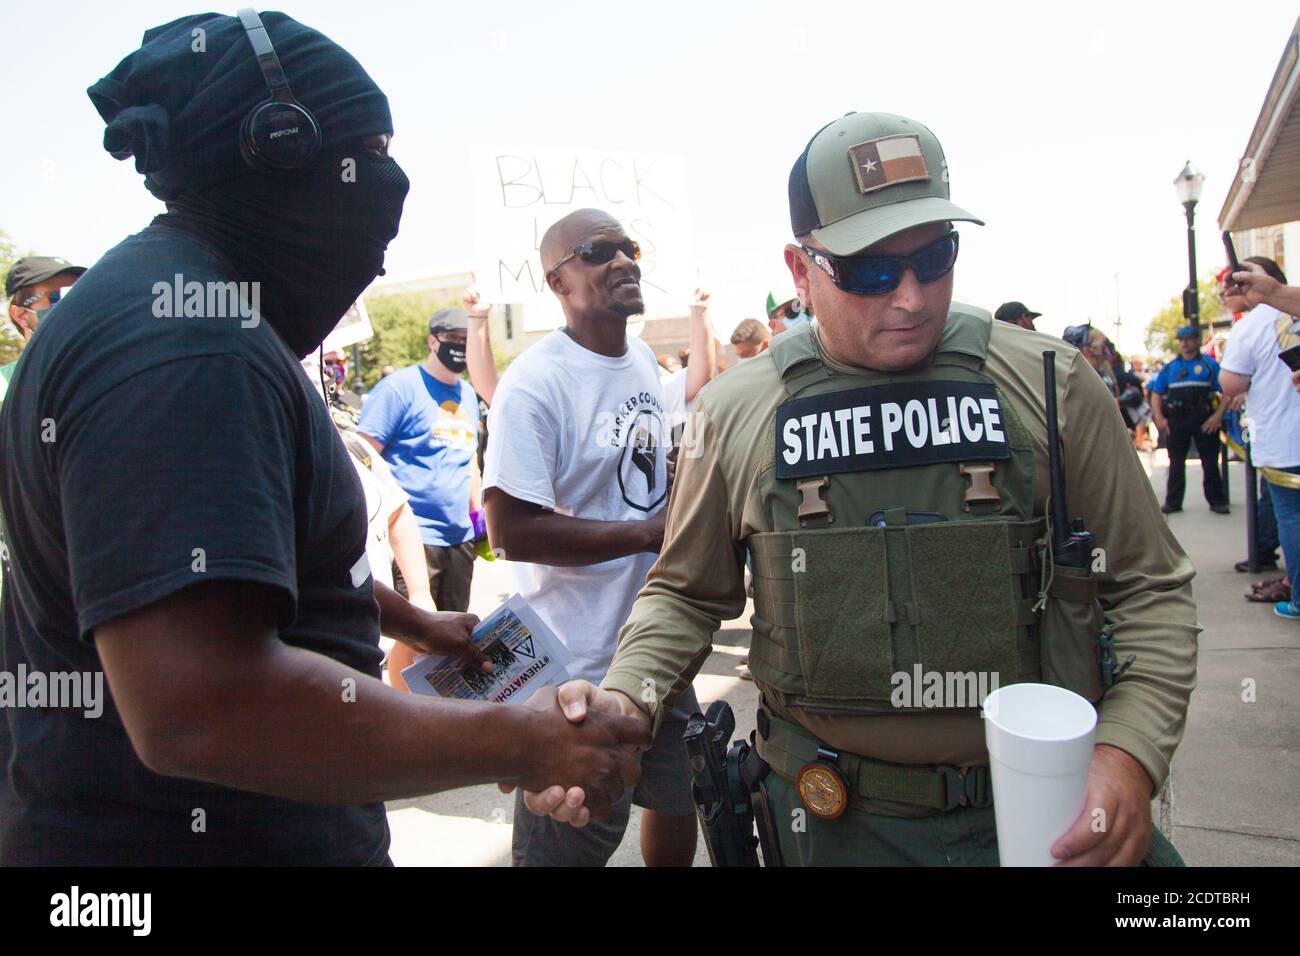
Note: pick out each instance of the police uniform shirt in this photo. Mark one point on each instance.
(1186, 386)
(715, 505)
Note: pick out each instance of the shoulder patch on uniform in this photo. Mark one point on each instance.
(889, 426)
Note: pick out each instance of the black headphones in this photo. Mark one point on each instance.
(279, 134)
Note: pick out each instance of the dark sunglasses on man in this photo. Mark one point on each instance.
(877, 275)
(600, 252)
(54, 297)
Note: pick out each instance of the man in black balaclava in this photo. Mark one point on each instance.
(182, 519)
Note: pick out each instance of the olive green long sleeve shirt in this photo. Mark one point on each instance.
(1144, 589)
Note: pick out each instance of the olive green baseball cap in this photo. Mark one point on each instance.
(867, 176)
(30, 270)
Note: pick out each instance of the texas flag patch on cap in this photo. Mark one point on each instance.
(887, 161)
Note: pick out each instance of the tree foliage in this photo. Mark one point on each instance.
(401, 324)
(11, 342)
(1162, 329)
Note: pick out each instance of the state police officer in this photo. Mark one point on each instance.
(1183, 404)
(885, 469)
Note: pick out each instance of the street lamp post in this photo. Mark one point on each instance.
(1188, 184)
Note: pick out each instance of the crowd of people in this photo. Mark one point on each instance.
(182, 557)
(1225, 396)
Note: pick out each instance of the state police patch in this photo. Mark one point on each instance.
(889, 426)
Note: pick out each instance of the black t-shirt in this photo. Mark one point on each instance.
(142, 454)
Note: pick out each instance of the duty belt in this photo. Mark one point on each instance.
(789, 750)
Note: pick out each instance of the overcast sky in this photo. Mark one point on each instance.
(1064, 126)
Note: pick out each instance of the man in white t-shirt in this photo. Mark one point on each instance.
(1251, 366)
(576, 481)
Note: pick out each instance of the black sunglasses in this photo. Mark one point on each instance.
(601, 251)
(876, 275)
(54, 297)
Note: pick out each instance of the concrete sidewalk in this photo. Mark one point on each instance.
(1234, 777)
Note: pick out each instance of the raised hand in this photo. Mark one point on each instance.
(473, 302)
(700, 301)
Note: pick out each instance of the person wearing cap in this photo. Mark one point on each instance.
(886, 470)
(424, 421)
(183, 524)
(786, 315)
(1015, 313)
(1187, 405)
(34, 285)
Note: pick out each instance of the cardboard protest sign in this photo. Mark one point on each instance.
(519, 191)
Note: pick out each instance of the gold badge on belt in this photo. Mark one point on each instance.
(822, 788)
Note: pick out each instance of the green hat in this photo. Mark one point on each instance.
(867, 176)
(30, 270)
(774, 306)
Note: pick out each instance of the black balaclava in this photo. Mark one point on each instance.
(313, 238)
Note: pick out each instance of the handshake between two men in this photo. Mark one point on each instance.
(585, 739)
(596, 760)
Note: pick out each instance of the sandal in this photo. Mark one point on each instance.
(1270, 592)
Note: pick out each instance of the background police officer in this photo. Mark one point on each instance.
(1183, 406)
(887, 566)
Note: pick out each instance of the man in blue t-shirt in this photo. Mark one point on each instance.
(424, 421)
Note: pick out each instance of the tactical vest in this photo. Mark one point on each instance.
(897, 545)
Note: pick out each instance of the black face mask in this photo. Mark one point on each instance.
(313, 239)
(452, 355)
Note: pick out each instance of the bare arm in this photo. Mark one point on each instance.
(704, 357)
(475, 484)
(478, 346)
(427, 631)
(1233, 384)
(528, 532)
(208, 690)
(408, 552)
